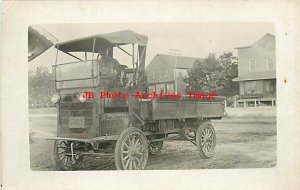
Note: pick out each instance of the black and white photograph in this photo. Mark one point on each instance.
(152, 96)
(161, 94)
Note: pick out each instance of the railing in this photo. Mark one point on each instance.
(64, 75)
(251, 96)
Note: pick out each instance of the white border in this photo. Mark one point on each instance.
(17, 15)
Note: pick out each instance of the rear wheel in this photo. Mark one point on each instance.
(131, 151)
(206, 140)
(62, 158)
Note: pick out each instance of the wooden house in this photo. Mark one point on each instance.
(257, 71)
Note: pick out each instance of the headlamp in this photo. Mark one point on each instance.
(81, 97)
(55, 98)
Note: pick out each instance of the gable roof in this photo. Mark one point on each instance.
(256, 76)
(183, 62)
(257, 42)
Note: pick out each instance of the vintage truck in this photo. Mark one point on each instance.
(127, 128)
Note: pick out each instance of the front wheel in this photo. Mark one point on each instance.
(206, 140)
(131, 151)
(62, 157)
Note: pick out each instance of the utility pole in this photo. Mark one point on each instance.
(175, 52)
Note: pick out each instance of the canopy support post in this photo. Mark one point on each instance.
(92, 71)
(55, 66)
(134, 72)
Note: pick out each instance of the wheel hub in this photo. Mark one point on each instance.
(133, 152)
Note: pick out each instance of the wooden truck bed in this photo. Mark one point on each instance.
(157, 109)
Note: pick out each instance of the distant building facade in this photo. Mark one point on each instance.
(257, 70)
(161, 72)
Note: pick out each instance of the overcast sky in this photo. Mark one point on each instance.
(193, 39)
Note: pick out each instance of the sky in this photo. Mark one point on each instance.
(192, 39)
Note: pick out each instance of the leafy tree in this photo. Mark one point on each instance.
(205, 76)
(230, 71)
(213, 75)
(40, 85)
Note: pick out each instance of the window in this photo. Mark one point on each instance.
(151, 88)
(259, 88)
(270, 64)
(160, 88)
(273, 86)
(170, 88)
(253, 87)
(242, 88)
(268, 86)
(249, 87)
(252, 65)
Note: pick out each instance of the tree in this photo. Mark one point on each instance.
(205, 75)
(213, 75)
(230, 71)
(40, 85)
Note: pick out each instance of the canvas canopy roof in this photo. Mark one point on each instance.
(103, 41)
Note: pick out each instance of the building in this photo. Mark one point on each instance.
(161, 72)
(257, 71)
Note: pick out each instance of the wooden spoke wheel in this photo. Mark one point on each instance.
(62, 155)
(155, 147)
(206, 140)
(131, 151)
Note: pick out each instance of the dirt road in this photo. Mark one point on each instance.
(245, 140)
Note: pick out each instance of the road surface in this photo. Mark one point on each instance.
(245, 140)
